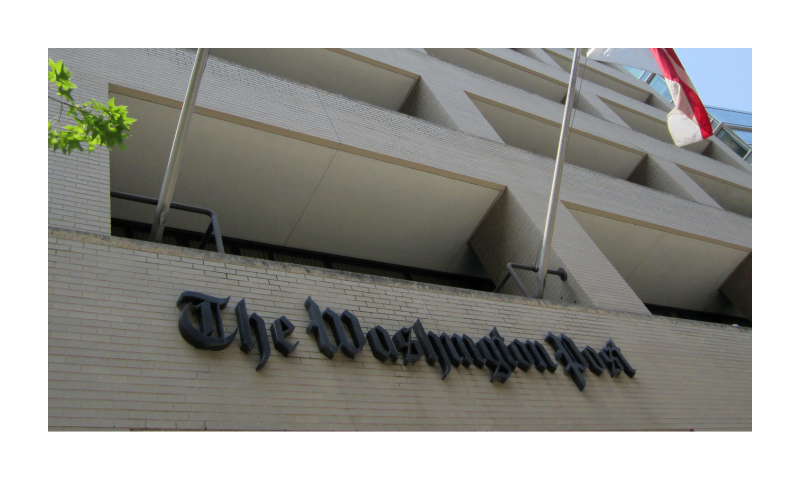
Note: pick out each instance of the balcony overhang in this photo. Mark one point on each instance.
(274, 189)
(664, 267)
(484, 63)
(333, 70)
(729, 196)
(540, 136)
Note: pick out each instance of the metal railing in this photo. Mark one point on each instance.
(213, 227)
(560, 273)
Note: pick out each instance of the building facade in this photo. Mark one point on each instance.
(364, 188)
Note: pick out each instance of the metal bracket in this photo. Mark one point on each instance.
(560, 273)
(213, 227)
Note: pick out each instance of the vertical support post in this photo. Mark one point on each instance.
(544, 254)
(176, 154)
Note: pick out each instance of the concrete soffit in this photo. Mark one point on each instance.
(553, 79)
(277, 187)
(337, 71)
(714, 178)
(524, 113)
(374, 62)
(669, 268)
(168, 102)
(654, 226)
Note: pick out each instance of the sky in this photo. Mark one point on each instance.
(723, 77)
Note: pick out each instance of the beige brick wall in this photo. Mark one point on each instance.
(78, 184)
(117, 360)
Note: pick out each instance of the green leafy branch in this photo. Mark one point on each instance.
(95, 123)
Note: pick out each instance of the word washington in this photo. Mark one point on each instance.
(409, 343)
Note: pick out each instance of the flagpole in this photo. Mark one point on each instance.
(549, 225)
(176, 154)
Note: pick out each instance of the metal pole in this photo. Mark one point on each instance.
(175, 155)
(549, 225)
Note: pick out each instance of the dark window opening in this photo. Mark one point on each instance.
(246, 248)
(733, 143)
(699, 316)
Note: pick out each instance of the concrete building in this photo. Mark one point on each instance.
(396, 185)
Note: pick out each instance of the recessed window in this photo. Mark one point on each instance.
(635, 72)
(734, 143)
(731, 117)
(660, 86)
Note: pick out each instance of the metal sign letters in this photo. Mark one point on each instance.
(407, 345)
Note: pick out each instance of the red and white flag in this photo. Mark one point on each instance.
(688, 122)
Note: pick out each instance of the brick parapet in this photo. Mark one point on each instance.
(117, 361)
